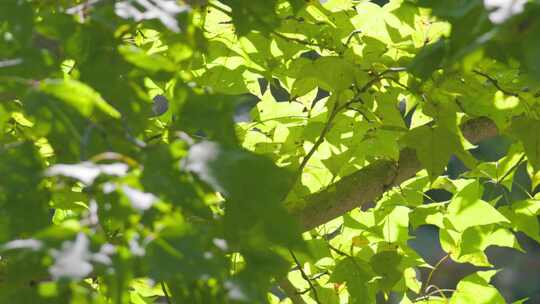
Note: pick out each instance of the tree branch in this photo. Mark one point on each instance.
(370, 182)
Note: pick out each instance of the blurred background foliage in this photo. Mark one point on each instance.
(162, 151)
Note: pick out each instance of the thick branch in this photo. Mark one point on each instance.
(370, 182)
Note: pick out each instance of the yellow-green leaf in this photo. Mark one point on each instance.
(78, 95)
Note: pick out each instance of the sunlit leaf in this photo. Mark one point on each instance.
(79, 96)
(466, 206)
(475, 288)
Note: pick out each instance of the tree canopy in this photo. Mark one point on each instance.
(276, 151)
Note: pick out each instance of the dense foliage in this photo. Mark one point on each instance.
(155, 151)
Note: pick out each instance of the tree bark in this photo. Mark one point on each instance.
(370, 182)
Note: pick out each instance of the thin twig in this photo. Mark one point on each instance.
(437, 290)
(292, 292)
(369, 84)
(495, 82)
(319, 275)
(428, 281)
(335, 111)
(398, 83)
(306, 277)
(380, 76)
(320, 140)
(338, 251)
(298, 40)
(258, 122)
(303, 291)
(316, 277)
(351, 35)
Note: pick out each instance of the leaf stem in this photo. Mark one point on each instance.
(338, 251)
(351, 35)
(428, 281)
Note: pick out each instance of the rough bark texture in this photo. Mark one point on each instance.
(370, 182)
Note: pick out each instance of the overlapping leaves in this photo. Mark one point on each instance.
(132, 170)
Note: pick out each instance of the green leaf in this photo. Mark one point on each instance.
(318, 249)
(297, 4)
(328, 295)
(212, 114)
(411, 280)
(386, 264)
(254, 188)
(210, 185)
(162, 176)
(78, 95)
(524, 129)
(248, 16)
(454, 9)
(467, 209)
(338, 75)
(356, 273)
(4, 117)
(394, 223)
(177, 248)
(19, 17)
(431, 214)
(23, 198)
(530, 46)
(451, 243)
(150, 62)
(523, 216)
(501, 171)
(475, 239)
(429, 59)
(434, 146)
(475, 289)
